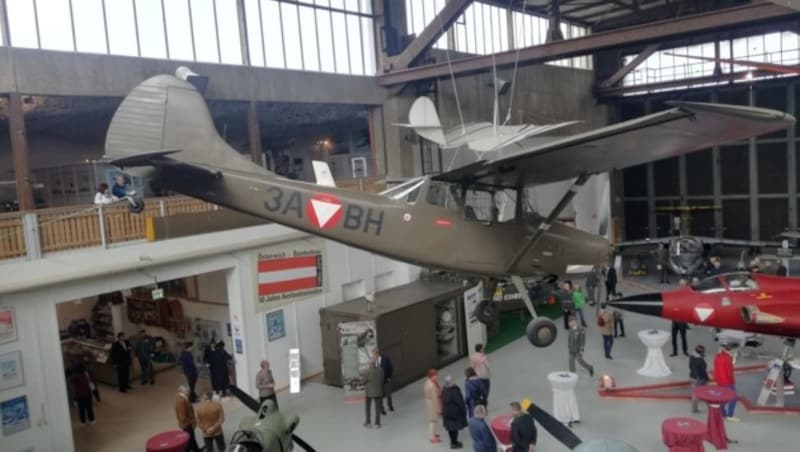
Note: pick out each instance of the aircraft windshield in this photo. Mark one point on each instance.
(741, 281)
(708, 285)
(443, 195)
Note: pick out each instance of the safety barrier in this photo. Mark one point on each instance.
(65, 228)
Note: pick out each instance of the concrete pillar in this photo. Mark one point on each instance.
(753, 166)
(554, 28)
(716, 173)
(398, 161)
(246, 324)
(243, 40)
(792, 159)
(254, 132)
(19, 152)
(377, 141)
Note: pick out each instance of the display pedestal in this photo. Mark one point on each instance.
(654, 365)
(565, 405)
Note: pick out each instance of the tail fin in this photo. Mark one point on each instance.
(322, 171)
(422, 117)
(166, 116)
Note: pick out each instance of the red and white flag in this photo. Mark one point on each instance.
(289, 274)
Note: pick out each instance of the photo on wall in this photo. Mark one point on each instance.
(11, 374)
(358, 340)
(276, 326)
(8, 325)
(16, 416)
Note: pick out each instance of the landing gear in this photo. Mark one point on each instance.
(486, 312)
(135, 203)
(541, 331)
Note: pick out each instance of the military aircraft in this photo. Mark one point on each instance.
(164, 130)
(267, 431)
(756, 303)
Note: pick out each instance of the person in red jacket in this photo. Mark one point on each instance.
(723, 374)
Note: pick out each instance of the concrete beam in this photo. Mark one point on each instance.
(625, 37)
(51, 73)
(433, 31)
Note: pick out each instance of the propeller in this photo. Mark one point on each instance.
(554, 427)
(254, 406)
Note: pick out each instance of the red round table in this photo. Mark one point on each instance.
(683, 434)
(715, 397)
(501, 426)
(172, 441)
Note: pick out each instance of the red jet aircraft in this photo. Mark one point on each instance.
(742, 301)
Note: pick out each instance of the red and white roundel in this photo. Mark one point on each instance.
(703, 311)
(324, 210)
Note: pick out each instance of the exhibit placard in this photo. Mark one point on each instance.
(294, 370)
(476, 331)
(290, 272)
(358, 340)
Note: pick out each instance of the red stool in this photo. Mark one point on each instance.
(172, 441)
(683, 434)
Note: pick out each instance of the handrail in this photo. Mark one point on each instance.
(64, 228)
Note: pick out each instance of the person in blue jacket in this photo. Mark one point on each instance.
(482, 437)
(186, 360)
(475, 391)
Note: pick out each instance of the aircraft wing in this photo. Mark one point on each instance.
(686, 127)
(735, 242)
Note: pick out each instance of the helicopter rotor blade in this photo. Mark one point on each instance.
(553, 426)
(245, 398)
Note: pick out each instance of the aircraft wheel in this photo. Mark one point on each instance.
(485, 312)
(136, 205)
(541, 332)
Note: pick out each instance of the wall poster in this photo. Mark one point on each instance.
(357, 341)
(11, 374)
(276, 326)
(8, 325)
(16, 416)
(203, 333)
(290, 272)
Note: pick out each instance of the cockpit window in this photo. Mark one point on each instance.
(408, 191)
(708, 285)
(741, 281)
(442, 195)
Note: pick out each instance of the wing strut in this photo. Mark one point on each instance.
(545, 225)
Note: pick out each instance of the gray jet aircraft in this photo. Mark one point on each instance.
(447, 221)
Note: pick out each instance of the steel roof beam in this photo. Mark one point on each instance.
(625, 37)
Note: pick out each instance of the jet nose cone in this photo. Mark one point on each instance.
(647, 304)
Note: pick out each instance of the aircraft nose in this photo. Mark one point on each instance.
(648, 304)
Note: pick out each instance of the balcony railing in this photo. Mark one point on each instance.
(65, 228)
(75, 227)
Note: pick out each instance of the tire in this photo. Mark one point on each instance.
(541, 332)
(137, 206)
(485, 312)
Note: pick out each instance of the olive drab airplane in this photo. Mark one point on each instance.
(447, 221)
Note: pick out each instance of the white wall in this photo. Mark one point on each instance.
(39, 341)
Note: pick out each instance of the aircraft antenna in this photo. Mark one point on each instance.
(452, 78)
(516, 63)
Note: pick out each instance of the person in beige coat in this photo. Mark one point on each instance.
(605, 322)
(210, 418)
(433, 404)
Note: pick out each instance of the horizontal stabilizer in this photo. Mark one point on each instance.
(142, 158)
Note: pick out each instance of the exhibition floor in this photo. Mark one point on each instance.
(518, 372)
